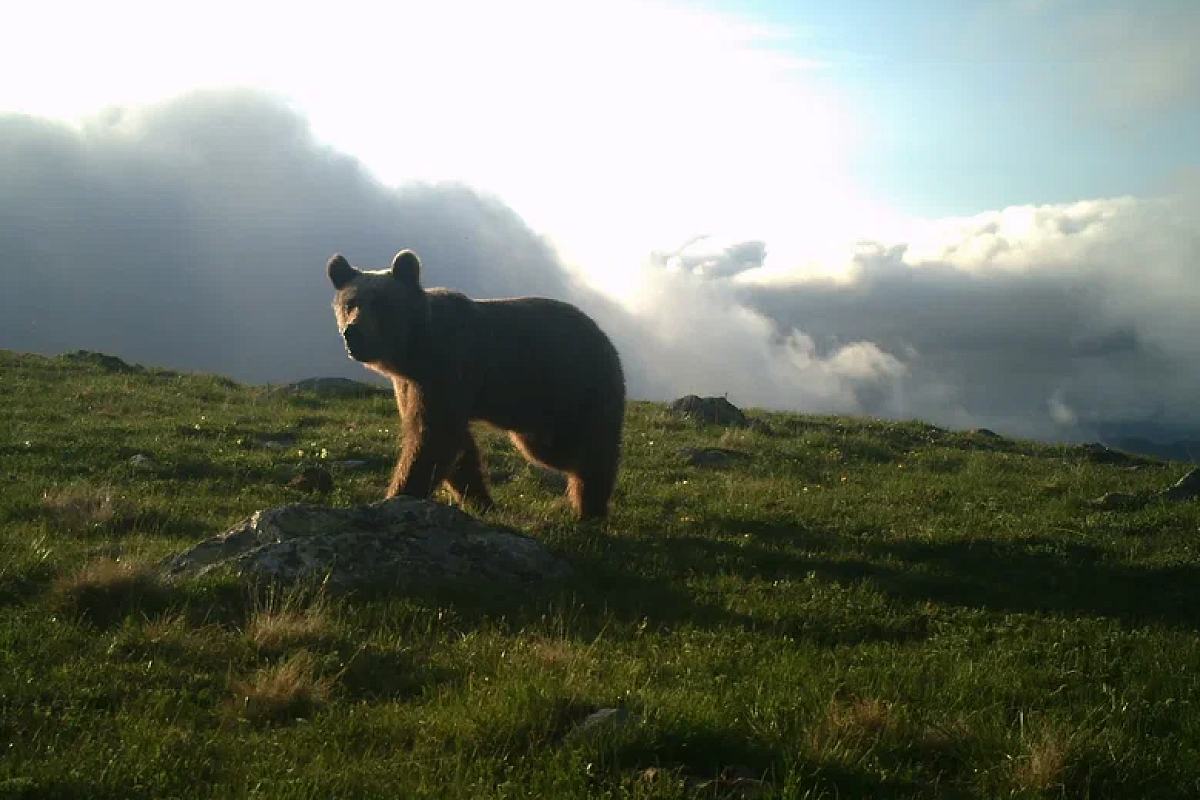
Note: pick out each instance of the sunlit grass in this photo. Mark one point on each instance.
(848, 608)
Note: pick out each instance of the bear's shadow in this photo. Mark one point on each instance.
(644, 583)
(651, 582)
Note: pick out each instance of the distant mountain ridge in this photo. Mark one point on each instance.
(1177, 450)
(1152, 437)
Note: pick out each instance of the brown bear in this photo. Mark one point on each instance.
(538, 368)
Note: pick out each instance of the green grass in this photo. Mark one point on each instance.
(858, 609)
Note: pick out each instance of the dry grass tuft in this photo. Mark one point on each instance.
(275, 631)
(81, 506)
(1045, 762)
(853, 724)
(282, 692)
(283, 618)
(861, 718)
(555, 652)
(107, 589)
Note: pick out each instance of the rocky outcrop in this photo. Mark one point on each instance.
(1185, 489)
(331, 387)
(1098, 453)
(103, 361)
(716, 410)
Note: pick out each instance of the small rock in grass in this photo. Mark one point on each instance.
(1118, 501)
(712, 456)
(275, 441)
(606, 720)
(312, 480)
(142, 462)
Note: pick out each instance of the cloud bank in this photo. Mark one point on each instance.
(193, 234)
(1056, 321)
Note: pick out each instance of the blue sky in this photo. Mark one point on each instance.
(974, 106)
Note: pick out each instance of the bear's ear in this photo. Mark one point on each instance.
(407, 268)
(340, 271)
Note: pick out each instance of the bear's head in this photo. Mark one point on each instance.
(376, 310)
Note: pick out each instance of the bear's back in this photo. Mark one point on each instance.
(538, 359)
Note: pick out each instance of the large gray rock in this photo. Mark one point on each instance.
(712, 456)
(393, 542)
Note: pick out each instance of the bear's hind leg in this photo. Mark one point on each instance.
(466, 479)
(590, 495)
(594, 476)
(590, 486)
(591, 474)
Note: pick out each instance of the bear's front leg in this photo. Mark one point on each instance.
(427, 453)
(466, 480)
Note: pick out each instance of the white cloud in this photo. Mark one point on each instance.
(703, 255)
(1049, 321)
(687, 334)
(193, 235)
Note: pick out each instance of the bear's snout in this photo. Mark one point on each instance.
(354, 339)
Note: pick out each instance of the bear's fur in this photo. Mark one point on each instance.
(538, 368)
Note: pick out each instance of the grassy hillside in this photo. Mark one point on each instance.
(852, 609)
